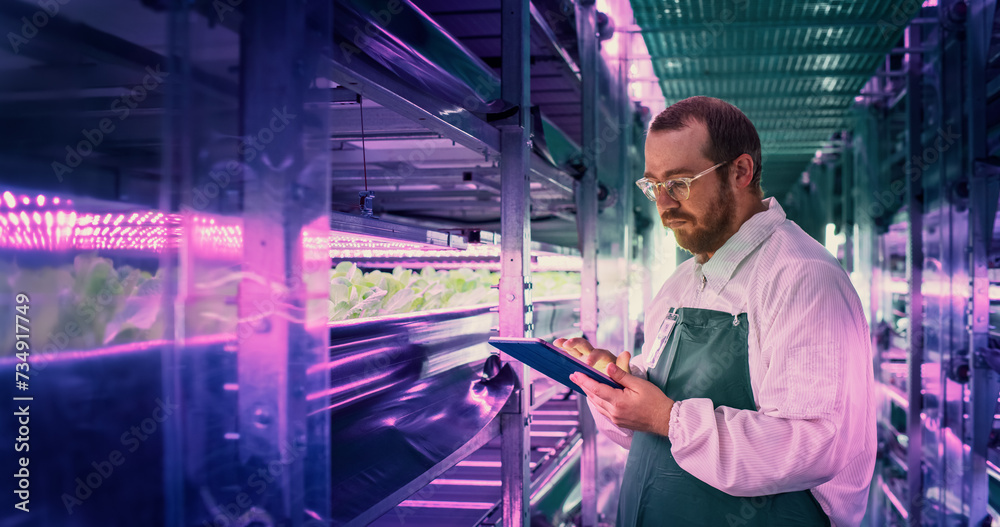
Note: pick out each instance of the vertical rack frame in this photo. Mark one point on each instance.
(286, 202)
(914, 280)
(283, 276)
(515, 271)
(586, 199)
(983, 381)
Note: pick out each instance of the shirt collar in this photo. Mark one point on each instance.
(720, 268)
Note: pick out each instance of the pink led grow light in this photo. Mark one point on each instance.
(40, 222)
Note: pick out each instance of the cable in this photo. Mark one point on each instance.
(364, 159)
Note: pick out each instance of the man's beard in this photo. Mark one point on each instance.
(712, 230)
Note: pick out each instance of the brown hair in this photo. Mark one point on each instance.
(730, 132)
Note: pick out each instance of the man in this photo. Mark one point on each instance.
(752, 402)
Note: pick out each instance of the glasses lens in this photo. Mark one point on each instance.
(647, 188)
(679, 189)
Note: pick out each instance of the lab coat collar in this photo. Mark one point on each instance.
(720, 268)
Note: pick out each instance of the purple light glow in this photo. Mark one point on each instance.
(467, 482)
(219, 240)
(466, 505)
(44, 228)
(475, 256)
(44, 225)
(413, 263)
(350, 245)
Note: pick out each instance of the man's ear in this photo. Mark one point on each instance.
(742, 171)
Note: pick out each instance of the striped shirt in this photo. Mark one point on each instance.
(810, 372)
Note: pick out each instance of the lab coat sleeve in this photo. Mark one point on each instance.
(811, 392)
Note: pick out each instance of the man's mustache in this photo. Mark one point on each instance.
(675, 217)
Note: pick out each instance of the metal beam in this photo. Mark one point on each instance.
(586, 196)
(393, 93)
(742, 95)
(437, 205)
(283, 200)
(799, 150)
(799, 104)
(827, 112)
(713, 26)
(515, 245)
(806, 122)
(566, 62)
(408, 196)
(483, 437)
(748, 52)
(414, 176)
(758, 75)
(550, 176)
(345, 121)
(914, 279)
(983, 179)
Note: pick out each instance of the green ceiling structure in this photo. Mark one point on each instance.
(794, 67)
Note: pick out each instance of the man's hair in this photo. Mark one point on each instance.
(730, 132)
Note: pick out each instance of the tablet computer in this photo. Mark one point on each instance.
(550, 360)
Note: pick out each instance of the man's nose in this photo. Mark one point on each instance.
(664, 201)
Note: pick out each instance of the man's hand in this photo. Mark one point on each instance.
(641, 406)
(581, 349)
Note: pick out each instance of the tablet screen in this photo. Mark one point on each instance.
(550, 360)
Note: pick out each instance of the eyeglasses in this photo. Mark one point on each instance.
(678, 189)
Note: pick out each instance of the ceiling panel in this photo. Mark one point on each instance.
(793, 66)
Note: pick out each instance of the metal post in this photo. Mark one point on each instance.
(624, 186)
(515, 242)
(914, 279)
(847, 200)
(285, 214)
(586, 213)
(177, 160)
(983, 383)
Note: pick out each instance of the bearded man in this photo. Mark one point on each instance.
(752, 402)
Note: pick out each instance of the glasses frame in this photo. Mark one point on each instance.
(651, 188)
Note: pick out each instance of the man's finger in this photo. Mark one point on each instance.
(596, 401)
(600, 390)
(599, 406)
(572, 352)
(581, 345)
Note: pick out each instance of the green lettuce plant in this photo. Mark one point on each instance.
(355, 294)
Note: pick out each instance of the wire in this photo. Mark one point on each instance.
(364, 160)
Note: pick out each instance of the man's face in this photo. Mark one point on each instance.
(701, 224)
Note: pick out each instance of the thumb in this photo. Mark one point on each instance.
(619, 375)
(623, 361)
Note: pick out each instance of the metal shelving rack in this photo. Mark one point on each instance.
(527, 465)
(930, 207)
(263, 395)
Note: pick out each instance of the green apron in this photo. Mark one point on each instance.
(704, 357)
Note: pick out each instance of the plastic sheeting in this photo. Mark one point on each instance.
(407, 393)
(96, 428)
